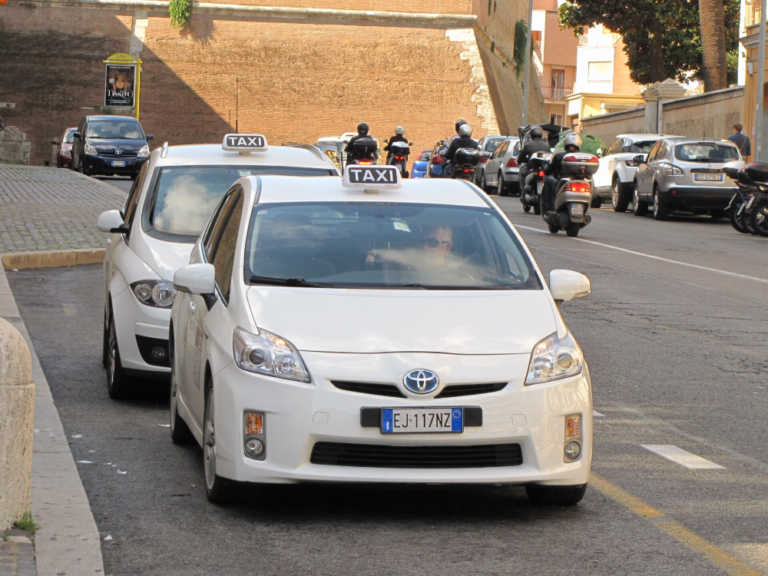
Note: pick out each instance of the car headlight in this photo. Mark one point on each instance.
(554, 358)
(66, 153)
(269, 354)
(144, 152)
(157, 293)
(90, 150)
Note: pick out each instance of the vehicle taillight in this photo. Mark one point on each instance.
(582, 187)
(365, 162)
(541, 174)
(467, 170)
(399, 157)
(511, 163)
(437, 160)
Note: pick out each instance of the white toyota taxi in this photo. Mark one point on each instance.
(376, 330)
(166, 210)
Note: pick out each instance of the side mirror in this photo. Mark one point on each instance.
(112, 221)
(56, 142)
(77, 135)
(196, 279)
(410, 143)
(566, 285)
(386, 141)
(639, 159)
(150, 137)
(600, 152)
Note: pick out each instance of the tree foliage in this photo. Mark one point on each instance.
(662, 38)
(180, 12)
(521, 41)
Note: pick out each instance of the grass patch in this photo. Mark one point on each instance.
(26, 523)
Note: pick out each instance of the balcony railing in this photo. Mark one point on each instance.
(555, 92)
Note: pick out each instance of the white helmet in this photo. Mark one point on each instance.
(399, 130)
(465, 130)
(572, 140)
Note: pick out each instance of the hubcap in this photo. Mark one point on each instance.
(209, 443)
(615, 194)
(655, 203)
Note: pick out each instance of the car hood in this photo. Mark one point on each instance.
(108, 146)
(163, 257)
(386, 321)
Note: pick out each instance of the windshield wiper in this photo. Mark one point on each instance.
(287, 281)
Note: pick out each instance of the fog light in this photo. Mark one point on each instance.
(572, 451)
(158, 353)
(254, 448)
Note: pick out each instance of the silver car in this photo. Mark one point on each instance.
(500, 171)
(487, 146)
(684, 174)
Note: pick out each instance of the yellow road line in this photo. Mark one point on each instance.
(715, 555)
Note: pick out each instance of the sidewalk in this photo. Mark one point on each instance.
(45, 209)
(52, 213)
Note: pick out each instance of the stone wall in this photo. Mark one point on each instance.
(14, 148)
(292, 80)
(607, 126)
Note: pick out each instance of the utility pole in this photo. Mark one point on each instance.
(527, 65)
(759, 120)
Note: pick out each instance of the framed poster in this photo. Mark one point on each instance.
(119, 89)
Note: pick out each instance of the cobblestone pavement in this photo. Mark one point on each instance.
(17, 556)
(51, 209)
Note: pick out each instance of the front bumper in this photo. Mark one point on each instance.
(297, 416)
(697, 197)
(150, 324)
(105, 165)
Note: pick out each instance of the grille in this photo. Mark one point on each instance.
(113, 155)
(394, 392)
(376, 456)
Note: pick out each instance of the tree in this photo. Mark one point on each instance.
(662, 38)
(714, 66)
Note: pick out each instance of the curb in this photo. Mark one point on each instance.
(51, 258)
(68, 540)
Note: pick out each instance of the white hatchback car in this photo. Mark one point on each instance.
(166, 209)
(376, 331)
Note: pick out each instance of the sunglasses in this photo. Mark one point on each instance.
(433, 242)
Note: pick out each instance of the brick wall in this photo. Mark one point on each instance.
(297, 82)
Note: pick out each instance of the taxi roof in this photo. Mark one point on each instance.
(277, 189)
(213, 154)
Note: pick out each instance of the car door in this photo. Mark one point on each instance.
(219, 250)
(607, 165)
(644, 173)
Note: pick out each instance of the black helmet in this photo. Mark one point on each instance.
(459, 123)
(362, 129)
(537, 132)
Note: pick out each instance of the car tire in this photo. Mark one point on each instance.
(180, 432)
(639, 208)
(218, 490)
(502, 187)
(555, 495)
(597, 202)
(573, 229)
(105, 340)
(483, 186)
(619, 196)
(118, 382)
(660, 211)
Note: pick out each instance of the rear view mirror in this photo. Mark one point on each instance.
(386, 140)
(567, 285)
(410, 143)
(639, 159)
(600, 152)
(112, 221)
(77, 135)
(150, 137)
(195, 279)
(55, 142)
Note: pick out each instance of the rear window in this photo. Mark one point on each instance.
(184, 197)
(642, 147)
(69, 136)
(706, 152)
(491, 145)
(425, 156)
(115, 129)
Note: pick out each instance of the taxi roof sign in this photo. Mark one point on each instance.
(244, 143)
(372, 178)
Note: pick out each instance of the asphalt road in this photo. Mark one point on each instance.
(675, 334)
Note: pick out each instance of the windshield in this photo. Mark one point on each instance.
(364, 245)
(491, 145)
(643, 147)
(184, 197)
(706, 152)
(69, 136)
(115, 129)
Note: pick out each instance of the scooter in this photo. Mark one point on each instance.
(574, 195)
(534, 182)
(364, 151)
(398, 156)
(742, 194)
(465, 163)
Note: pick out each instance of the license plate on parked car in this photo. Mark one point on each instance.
(118, 163)
(577, 209)
(421, 420)
(708, 177)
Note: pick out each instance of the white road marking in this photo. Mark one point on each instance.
(597, 414)
(682, 457)
(668, 260)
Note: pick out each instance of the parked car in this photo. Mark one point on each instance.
(488, 145)
(616, 175)
(501, 172)
(420, 164)
(109, 145)
(64, 153)
(333, 153)
(683, 174)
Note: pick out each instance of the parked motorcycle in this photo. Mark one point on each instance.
(532, 188)
(465, 163)
(742, 194)
(574, 195)
(398, 156)
(757, 206)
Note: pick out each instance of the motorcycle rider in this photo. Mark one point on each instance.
(398, 137)
(459, 123)
(537, 143)
(571, 143)
(463, 140)
(362, 132)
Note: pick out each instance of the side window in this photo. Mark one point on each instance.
(653, 152)
(501, 150)
(218, 220)
(224, 251)
(615, 146)
(129, 210)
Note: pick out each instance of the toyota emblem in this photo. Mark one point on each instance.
(421, 381)
(118, 151)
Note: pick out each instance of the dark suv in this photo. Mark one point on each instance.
(110, 145)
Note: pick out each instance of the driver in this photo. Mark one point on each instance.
(436, 243)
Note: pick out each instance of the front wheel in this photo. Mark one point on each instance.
(503, 190)
(760, 218)
(217, 489)
(118, 382)
(573, 229)
(555, 495)
(736, 216)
